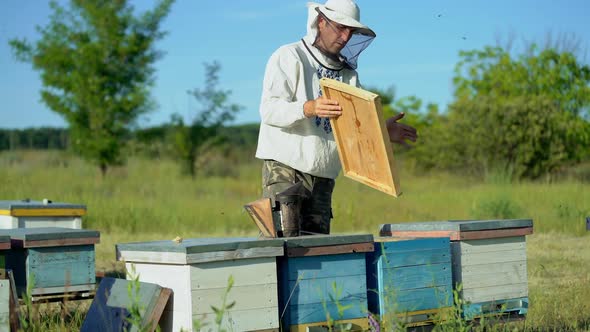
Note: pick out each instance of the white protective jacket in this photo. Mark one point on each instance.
(290, 80)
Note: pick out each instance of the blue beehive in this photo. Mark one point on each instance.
(323, 278)
(57, 260)
(409, 280)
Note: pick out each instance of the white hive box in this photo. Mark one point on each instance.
(32, 214)
(197, 271)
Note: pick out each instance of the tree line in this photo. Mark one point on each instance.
(523, 114)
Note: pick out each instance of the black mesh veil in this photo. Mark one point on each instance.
(351, 51)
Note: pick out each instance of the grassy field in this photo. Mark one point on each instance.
(149, 200)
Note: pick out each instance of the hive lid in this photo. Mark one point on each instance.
(318, 245)
(325, 240)
(49, 236)
(29, 208)
(197, 250)
(460, 229)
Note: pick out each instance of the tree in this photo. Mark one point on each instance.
(96, 63)
(192, 141)
(525, 115)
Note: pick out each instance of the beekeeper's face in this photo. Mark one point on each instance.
(332, 36)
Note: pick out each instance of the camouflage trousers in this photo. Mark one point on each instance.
(316, 210)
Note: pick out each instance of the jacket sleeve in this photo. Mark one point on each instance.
(279, 106)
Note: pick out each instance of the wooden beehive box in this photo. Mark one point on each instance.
(27, 214)
(410, 280)
(197, 271)
(54, 260)
(319, 274)
(489, 261)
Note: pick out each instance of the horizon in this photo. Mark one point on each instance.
(416, 49)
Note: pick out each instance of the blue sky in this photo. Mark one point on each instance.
(415, 50)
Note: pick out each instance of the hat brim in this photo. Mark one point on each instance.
(345, 20)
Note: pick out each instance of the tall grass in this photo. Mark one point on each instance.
(150, 196)
(149, 200)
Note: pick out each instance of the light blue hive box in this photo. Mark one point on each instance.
(318, 275)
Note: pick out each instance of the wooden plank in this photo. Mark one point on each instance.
(245, 298)
(59, 242)
(495, 293)
(416, 299)
(48, 236)
(394, 245)
(317, 312)
(43, 212)
(330, 250)
(40, 208)
(10, 222)
(183, 258)
(518, 306)
(261, 213)
(453, 235)
(234, 255)
(313, 267)
(175, 277)
(458, 225)
(112, 304)
(14, 305)
(241, 320)
(421, 317)
(494, 279)
(199, 245)
(319, 290)
(419, 276)
(148, 257)
(253, 271)
(510, 232)
(158, 308)
(49, 291)
(351, 325)
(490, 245)
(361, 137)
(326, 240)
(411, 258)
(490, 257)
(478, 271)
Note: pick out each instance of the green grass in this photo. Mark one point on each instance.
(149, 200)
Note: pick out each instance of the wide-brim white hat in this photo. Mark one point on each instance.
(345, 12)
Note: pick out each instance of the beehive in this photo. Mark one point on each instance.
(323, 278)
(53, 260)
(410, 280)
(197, 271)
(489, 261)
(27, 214)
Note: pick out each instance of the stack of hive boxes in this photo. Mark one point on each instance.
(489, 261)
